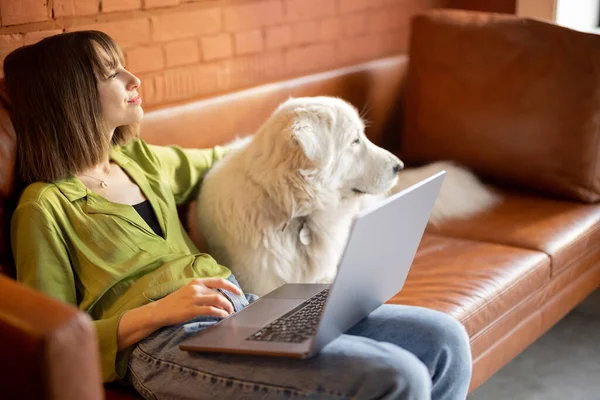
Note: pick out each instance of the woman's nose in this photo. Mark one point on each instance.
(134, 82)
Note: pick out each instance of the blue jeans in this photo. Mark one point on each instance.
(397, 352)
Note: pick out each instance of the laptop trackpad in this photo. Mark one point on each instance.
(261, 312)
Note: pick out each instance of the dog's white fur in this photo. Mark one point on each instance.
(278, 207)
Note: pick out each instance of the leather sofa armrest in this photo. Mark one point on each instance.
(49, 348)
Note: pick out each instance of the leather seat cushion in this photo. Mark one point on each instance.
(474, 281)
(566, 231)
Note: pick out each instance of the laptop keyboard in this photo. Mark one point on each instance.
(297, 325)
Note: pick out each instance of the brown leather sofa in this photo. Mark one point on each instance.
(516, 100)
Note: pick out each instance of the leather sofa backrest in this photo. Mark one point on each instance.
(516, 100)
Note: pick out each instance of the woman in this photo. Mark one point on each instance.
(97, 226)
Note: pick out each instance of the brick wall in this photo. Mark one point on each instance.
(184, 49)
(499, 6)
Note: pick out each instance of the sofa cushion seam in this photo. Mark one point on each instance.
(498, 320)
(585, 236)
(552, 257)
(524, 300)
(472, 313)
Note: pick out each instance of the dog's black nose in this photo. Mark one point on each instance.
(398, 168)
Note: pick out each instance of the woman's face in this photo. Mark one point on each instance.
(119, 98)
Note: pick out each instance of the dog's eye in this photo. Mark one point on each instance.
(357, 141)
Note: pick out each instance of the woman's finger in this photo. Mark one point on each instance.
(220, 283)
(215, 300)
(212, 311)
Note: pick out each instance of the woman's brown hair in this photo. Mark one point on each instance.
(55, 105)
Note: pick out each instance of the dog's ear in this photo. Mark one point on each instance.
(311, 132)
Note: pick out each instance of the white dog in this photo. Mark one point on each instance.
(278, 208)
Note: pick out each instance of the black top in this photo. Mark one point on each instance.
(147, 213)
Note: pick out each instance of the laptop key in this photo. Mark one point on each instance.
(296, 326)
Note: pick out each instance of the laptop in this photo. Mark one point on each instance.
(298, 320)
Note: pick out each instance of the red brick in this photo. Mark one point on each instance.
(253, 15)
(160, 3)
(354, 24)
(23, 11)
(353, 5)
(67, 8)
(249, 42)
(353, 50)
(159, 89)
(182, 52)
(251, 71)
(414, 3)
(126, 33)
(278, 36)
(297, 10)
(310, 58)
(411, 7)
(306, 32)
(400, 18)
(216, 47)
(145, 59)
(34, 37)
(186, 24)
(379, 21)
(191, 82)
(394, 42)
(357, 5)
(360, 49)
(120, 5)
(331, 29)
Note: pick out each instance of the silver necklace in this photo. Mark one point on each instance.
(103, 182)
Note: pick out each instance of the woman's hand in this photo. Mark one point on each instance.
(197, 298)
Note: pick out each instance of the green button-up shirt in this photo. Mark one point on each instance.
(78, 247)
